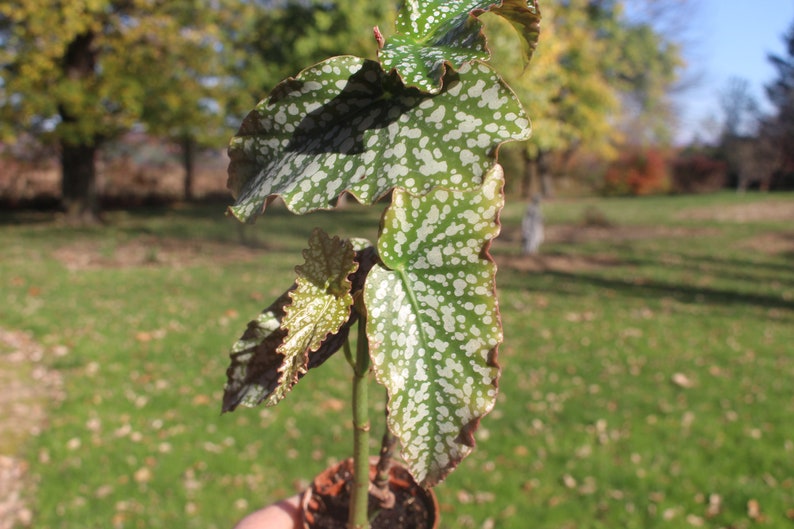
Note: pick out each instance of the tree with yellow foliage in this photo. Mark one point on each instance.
(592, 67)
(78, 73)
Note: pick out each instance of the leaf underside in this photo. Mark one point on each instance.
(433, 323)
(434, 34)
(266, 362)
(345, 125)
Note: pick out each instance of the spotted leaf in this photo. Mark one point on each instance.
(345, 125)
(254, 370)
(433, 34)
(263, 369)
(432, 321)
(319, 305)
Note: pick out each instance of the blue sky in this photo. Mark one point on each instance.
(730, 38)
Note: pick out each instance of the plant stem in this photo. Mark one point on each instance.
(360, 495)
(381, 488)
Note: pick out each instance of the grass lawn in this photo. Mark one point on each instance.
(648, 368)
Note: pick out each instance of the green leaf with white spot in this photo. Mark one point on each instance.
(266, 361)
(433, 323)
(320, 304)
(345, 125)
(433, 34)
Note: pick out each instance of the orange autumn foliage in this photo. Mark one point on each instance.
(637, 172)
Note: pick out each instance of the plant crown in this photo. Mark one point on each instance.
(423, 123)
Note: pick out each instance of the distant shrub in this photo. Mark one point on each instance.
(698, 174)
(637, 172)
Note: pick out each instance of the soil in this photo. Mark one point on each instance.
(556, 262)
(576, 233)
(580, 233)
(772, 243)
(150, 251)
(753, 212)
(28, 388)
(777, 243)
(330, 499)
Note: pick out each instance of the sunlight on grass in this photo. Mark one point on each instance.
(646, 369)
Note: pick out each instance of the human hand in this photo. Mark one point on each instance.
(285, 514)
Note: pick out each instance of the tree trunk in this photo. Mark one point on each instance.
(530, 174)
(78, 152)
(537, 173)
(78, 182)
(188, 155)
(546, 187)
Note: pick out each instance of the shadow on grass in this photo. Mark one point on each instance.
(744, 270)
(200, 228)
(347, 221)
(26, 217)
(577, 283)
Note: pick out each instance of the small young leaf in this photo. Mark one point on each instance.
(320, 304)
(434, 34)
(344, 125)
(257, 365)
(433, 323)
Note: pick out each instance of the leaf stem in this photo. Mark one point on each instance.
(381, 488)
(360, 494)
(348, 353)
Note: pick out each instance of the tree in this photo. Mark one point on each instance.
(567, 96)
(109, 65)
(646, 70)
(780, 127)
(186, 101)
(593, 65)
(267, 45)
(742, 145)
(740, 110)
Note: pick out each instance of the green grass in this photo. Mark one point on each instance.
(590, 431)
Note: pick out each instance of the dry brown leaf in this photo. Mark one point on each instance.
(142, 475)
(715, 505)
(682, 381)
(753, 509)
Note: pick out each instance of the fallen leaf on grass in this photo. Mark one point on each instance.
(200, 400)
(754, 510)
(715, 505)
(142, 475)
(148, 336)
(682, 381)
(333, 404)
(695, 520)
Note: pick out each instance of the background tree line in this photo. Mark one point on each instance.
(78, 74)
(758, 147)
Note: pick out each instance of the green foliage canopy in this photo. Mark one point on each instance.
(108, 66)
(266, 45)
(779, 128)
